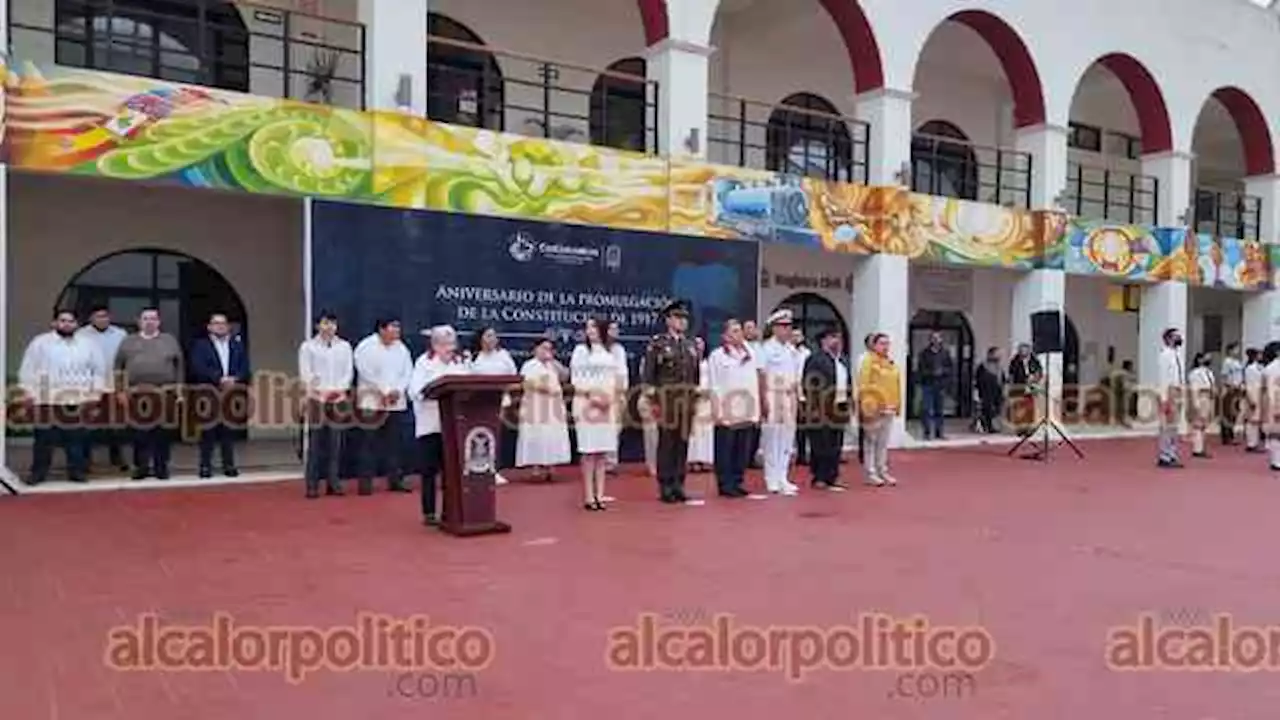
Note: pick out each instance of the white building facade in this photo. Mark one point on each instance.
(1155, 112)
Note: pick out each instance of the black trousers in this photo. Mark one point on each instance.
(431, 455)
(380, 450)
(754, 447)
(324, 444)
(825, 440)
(989, 410)
(59, 426)
(154, 415)
(114, 439)
(219, 434)
(862, 443)
(732, 455)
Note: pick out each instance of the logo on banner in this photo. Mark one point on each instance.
(613, 258)
(522, 247)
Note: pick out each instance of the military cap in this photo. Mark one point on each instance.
(675, 307)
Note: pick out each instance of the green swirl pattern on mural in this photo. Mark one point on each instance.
(169, 147)
(311, 153)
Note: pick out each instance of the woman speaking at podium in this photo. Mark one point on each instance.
(440, 360)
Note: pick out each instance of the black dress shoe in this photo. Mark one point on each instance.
(399, 487)
(140, 475)
(335, 490)
(205, 473)
(77, 479)
(230, 472)
(33, 481)
(162, 474)
(430, 520)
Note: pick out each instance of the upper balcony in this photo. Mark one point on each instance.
(474, 85)
(242, 47)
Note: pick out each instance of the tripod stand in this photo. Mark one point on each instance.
(1046, 426)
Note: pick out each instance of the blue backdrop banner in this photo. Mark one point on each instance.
(526, 279)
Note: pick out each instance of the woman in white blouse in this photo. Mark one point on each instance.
(702, 449)
(439, 360)
(488, 357)
(1201, 382)
(544, 432)
(597, 380)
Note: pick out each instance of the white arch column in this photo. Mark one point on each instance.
(1164, 304)
(395, 47)
(681, 69)
(1262, 310)
(1043, 290)
(5, 472)
(888, 113)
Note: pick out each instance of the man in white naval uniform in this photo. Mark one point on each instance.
(780, 366)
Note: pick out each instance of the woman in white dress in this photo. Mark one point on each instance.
(544, 432)
(1201, 382)
(597, 380)
(702, 448)
(488, 357)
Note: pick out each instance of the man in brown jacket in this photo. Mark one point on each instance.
(150, 365)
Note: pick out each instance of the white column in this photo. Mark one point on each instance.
(395, 47)
(880, 305)
(1047, 146)
(1040, 291)
(1172, 171)
(4, 324)
(681, 71)
(888, 112)
(1262, 310)
(1164, 306)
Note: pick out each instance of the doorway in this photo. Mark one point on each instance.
(957, 338)
(810, 314)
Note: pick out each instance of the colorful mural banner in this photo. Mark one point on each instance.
(744, 204)
(1116, 250)
(134, 128)
(1228, 262)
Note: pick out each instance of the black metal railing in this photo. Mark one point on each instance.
(531, 96)
(785, 138)
(241, 47)
(1228, 214)
(1113, 195)
(952, 167)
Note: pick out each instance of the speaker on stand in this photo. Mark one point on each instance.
(1046, 338)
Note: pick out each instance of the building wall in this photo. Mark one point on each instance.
(787, 270)
(1211, 301)
(1098, 327)
(253, 241)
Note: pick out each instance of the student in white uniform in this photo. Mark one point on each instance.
(544, 429)
(1200, 383)
(106, 337)
(441, 359)
(325, 369)
(702, 449)
(780, 367)
(1271, 402)
(597, 383)
(383, 368)
(488, 357)
(1253, 401)
(60, 376)
(1171, 390)
(1232, 379)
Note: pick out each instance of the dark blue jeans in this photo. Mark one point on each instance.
(931, 395)
(62, 428)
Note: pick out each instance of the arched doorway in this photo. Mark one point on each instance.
(203, 42)
(957, 337)
(464, 82)
(619, 106)
(812, 313)
(807, 137)
(940, 167)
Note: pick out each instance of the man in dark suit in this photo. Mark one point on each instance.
(219, 371)
(826, 392)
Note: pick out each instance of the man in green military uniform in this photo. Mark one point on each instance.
(671, 366)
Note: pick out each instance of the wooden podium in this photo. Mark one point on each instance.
(471, 427)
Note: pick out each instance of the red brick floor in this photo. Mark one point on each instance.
(1045, 557)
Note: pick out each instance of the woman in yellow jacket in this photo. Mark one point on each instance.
(879, 402)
